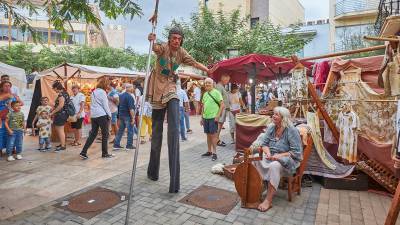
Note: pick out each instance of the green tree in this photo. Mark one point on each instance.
(266, 38)
(22, 56)
(61, 13)
(208, 36)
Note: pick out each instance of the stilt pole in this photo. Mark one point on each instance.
(146, 81)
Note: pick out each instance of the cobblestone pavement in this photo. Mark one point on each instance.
(153, 205)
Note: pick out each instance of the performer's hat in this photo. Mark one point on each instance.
(176, 30)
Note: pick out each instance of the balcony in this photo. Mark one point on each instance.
(353, 8)
(386, 8)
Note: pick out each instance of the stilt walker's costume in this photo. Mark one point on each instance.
(163, 96)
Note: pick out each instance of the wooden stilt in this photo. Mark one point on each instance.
(321, 109)
(394, 208)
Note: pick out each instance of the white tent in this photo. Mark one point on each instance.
(17, 75)
(68, 70)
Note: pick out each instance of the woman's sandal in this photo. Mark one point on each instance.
(76, 144)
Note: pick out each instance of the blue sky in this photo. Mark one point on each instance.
(138, 28)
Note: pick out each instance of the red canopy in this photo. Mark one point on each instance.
(238, 68)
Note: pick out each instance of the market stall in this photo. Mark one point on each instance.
(253, 69)
(83, 75)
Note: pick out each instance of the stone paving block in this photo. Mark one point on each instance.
(230, 218)
(189, 223)
(333, 218)
(205, 214)
(237, 223)
(71, 223)
(54, 222)
(221, 222)
(91, 221)
(197, 219)
(244, 220)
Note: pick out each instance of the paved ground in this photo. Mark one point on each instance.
(43, 177)
(35, 184)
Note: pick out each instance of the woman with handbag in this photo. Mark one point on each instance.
(5, 100)
(59, 113)
(100, 117)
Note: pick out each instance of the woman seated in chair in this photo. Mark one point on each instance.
(283, 152)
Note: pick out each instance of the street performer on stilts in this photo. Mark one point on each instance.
(163, 96)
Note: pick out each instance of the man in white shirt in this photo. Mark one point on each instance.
(197, 98)
(183, 107)
(78, 99)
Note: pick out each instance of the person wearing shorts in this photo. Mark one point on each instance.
(213, 106)
(60, 113)
(78, 99)
(226, 110)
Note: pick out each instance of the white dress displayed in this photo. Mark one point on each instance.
(348, 123)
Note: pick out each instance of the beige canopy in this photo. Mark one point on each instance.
(69, 71)
(17, 75)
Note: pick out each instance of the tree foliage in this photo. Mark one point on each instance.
(208, 36)
(61, 13)
(22, 56)
(266, 38)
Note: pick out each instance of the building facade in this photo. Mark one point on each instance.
(349, 21)
(80, 34)
(283, 13)
(319, 32)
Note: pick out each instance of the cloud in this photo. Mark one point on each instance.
(138, 29)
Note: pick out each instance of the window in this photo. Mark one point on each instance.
(254, 21)
(351, 37)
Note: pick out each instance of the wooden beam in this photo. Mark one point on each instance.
(374, 48)
(394, 208)
(369, 38)
(320, 106)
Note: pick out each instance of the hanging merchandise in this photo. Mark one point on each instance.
(391, 77)
(321, 73)
(298, 84)
(313, 122)
(396, 141)
(376, 118)
(348, 123)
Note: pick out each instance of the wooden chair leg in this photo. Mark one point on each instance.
(290, 188)
(299, 184)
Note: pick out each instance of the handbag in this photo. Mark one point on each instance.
(72, 119)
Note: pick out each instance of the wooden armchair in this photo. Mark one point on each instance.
(249, 183)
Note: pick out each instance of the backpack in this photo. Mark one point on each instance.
(70, 108)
